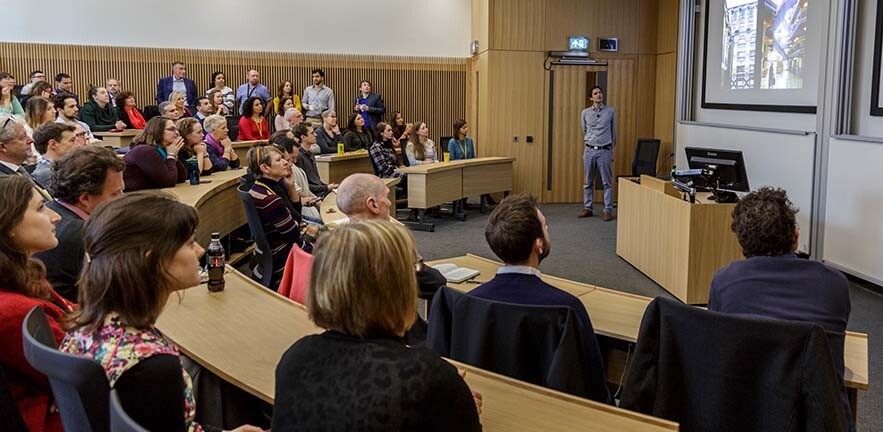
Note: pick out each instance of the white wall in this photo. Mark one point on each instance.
(387, 27)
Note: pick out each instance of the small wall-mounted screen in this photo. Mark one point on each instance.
(578, 43)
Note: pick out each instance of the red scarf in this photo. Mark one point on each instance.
(135, 118)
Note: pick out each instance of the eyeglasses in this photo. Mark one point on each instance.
(171, 129)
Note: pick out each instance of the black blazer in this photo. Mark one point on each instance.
(64, 262)
(375, 108)
(710, 371)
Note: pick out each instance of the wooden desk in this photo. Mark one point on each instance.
(118, 139)
(333, 168)
(618, 315)
(216, 202)
(433, 184)
(241, 333)
(331, 214)
(677, 244)
(241, 148)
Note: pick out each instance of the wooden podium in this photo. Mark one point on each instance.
(677, 244)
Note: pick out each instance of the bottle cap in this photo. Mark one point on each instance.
(216, 236)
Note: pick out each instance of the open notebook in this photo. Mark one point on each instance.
(456, 274)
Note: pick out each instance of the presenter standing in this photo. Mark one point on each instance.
(599, 132)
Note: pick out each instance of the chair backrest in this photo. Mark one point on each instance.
(443, 146)
(296, 276)
(257, 234)
(753, 373)
(149, 112)
(646, 153)
(10, 416)
(119, 420)
(543, 345)
(232, 127)
(79, 384)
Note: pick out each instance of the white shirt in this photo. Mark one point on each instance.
(528, 270)
(11, 166)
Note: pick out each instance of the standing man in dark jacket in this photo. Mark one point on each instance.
(369, 105)
(178, 82)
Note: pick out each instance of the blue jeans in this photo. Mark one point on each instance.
(601, 160)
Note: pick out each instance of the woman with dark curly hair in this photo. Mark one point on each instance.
(773, 281)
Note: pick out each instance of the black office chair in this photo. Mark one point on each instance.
(232, 127)
(10, 416)
(79, 384)
(443, 147)
(149, 112)
(257, 233)
(646, 154)
(119, 420)
(543, 345)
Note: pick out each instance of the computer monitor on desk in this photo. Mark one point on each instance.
(720, 171)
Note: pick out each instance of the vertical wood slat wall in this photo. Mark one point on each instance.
(430, 89)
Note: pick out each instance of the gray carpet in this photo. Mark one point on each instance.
(584, 250)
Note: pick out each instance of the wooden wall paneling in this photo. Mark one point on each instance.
(646, 96)
(565, 18)
(664, 121)
(648, 22)
(432, 89)
(621, 95)
(619, 19)
(517, 25)
(667, 34)
(481, 24)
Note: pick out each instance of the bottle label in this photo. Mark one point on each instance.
(340, 149)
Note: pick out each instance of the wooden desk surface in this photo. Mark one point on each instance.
(122, 133)
(248, 144)
(618, 314)
(209, 186)
(241, 333)
(334, 157)
(455, 164)
(216, 201)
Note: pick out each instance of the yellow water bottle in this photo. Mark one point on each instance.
(340, 149)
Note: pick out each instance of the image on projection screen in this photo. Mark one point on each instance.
(764, 44)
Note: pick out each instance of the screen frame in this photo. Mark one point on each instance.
(876, 108)
(802, 109)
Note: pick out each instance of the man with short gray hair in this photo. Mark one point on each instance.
(363, 197)
(169, 111)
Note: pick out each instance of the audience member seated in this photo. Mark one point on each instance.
(288, 146)
(420, 149)
(194, 150)
(9, 104)
(128, 112)
(26, 227)
(179, 100)
(177, 82)
(369, 105)
(252, 124)
(35, 78)
(218, 104)
(306, 159)
(65, 84)
(279, 122)
(68, 111)
(252, 87)
(328, 136)
(113, 89)
(402, 132)
(99, 114)
(460, 146)
(141, 248)
(42, 88)
(218, 144)
(356, 136)
(152, 162)
(81, 180)
(52, 140)
(323, 381)
(169, 111)
(286, 89)
(518, 233)
(383, 152)
(15, 146)
(318, 98)
(228, 98)
(773, 282)
(38, 111)
(204, 108)
(280, 215)
(293, 117)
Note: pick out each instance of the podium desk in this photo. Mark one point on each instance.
(216, 202)
(333, 168)
(677, 244)
(241, 333)
(118, 139)
(241, 148)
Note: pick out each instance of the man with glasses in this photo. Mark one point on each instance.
(36, 76)
(14, 150)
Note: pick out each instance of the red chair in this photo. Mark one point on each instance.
(296, 276)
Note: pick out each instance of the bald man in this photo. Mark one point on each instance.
(363, 197)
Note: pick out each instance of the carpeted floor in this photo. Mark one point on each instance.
(584, 250)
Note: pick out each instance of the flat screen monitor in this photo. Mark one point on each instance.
(728, 167)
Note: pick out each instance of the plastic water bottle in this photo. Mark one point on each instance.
(215, 263)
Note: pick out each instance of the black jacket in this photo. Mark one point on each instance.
(327, 143)
(98, 119)
(64, 262)
(710, 371)
(543, 345)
